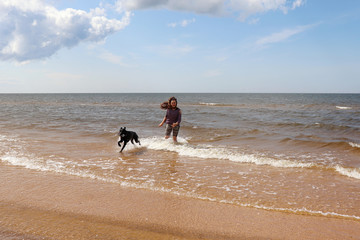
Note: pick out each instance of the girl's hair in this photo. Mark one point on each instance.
(167, 105)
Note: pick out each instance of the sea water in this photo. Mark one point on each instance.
(296, 153)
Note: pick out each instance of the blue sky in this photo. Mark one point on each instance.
(271, 46)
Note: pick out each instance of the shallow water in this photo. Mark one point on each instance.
(296, 153)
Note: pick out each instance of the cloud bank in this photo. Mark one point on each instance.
(33, 29)
(241, 8)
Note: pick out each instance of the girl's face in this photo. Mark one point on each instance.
(173, 103)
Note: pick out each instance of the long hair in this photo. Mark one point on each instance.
(167, 105)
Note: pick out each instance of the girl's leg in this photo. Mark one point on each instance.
(168, 131)
(175, 133)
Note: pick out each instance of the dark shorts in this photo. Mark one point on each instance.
(175, 130)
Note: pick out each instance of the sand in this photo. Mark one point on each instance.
(40, 205)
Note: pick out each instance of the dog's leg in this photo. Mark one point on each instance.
(137, 139)
(120, 141)
(123, 146)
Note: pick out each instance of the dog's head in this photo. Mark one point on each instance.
(122, 131)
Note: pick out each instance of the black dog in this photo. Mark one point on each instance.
(126, 136)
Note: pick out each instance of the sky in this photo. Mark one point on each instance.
(120, 46)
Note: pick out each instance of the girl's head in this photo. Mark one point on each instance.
(172, 102)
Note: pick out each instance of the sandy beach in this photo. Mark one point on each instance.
(51, 206)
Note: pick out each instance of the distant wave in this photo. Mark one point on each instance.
(215, 104)
(343, 107)
(210, 104)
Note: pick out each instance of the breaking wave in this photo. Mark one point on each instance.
(57, 166)
(354, 145)
(183, 148)
(349, 172)
(343, 107)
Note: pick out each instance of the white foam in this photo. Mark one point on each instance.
(209, 104)
(355, 145)
(350, 172)
(59, 167)
(20, 161)
(303, 210)
(343, 107)
(211, 152)
(8, 138)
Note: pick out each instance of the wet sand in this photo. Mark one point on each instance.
(38, 205)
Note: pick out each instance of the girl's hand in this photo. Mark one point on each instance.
(160, 125)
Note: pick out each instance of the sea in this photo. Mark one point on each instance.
(295, 153)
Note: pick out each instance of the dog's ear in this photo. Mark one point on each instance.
(124, 128)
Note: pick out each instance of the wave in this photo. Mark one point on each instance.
(343, 145)
(57, 166)
(318, 142)
(343, 107)
(304, 211)
(211, 104)
(324, 126)
(223, 153)
(349, 172)
(183, 148)
(354, 145)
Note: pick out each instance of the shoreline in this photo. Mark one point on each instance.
(53, 206)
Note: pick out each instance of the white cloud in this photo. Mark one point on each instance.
(297, 3)
(198, 6)
(283, 35)
(34, 30)
(183, 23)
(241, 8)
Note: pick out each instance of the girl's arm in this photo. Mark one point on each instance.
(162, 122)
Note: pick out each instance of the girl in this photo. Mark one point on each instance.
(172, 118)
